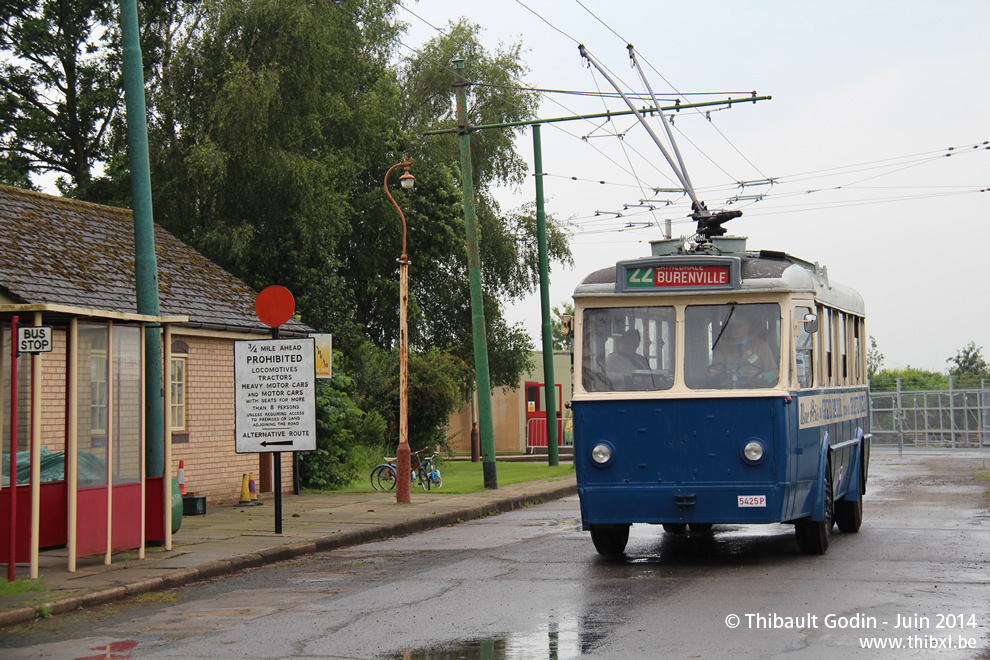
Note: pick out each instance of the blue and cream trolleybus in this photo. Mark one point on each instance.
(719, 385)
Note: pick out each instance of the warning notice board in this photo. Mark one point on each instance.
(276, 395)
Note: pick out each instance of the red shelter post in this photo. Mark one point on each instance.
(11, 557)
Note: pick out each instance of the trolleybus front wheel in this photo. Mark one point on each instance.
(813, 536)
(610, 540)
(675, 528)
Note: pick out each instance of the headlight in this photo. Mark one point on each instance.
(753, 451)
(601, 454)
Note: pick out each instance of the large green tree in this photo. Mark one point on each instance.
(58, 77)
(60, 91)
(508, 243)
(270, 119)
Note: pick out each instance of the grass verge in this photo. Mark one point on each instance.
(19, 587)
(463, 477)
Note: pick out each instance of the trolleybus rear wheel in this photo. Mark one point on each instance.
(610, 540)
(674, 528)
(813, 536)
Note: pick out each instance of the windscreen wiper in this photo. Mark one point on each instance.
(725, 324)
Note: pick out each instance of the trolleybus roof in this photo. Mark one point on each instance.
(749, 271)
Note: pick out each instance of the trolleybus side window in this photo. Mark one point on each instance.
(804, 357)
(825, 314)
(857, 350)
(628, 349)
(841, 326)
(732, 346)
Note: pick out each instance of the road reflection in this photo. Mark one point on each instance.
(582, 627)
(742, 545)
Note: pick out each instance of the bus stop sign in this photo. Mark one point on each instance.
(34, 339)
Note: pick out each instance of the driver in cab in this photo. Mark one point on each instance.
(743, 357)
(625, 360)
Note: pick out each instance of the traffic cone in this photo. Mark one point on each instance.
(252, 489)
(245, 492)
(182, 478)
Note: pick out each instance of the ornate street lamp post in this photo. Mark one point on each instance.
(403, 455)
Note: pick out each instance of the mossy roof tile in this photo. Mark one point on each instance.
(62, 251)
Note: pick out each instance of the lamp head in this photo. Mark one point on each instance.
(407, 180)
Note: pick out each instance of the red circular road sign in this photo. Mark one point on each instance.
(274, 306)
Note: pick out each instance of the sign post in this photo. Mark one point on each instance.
(275, 385)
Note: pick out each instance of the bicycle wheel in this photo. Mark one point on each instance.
(424, 477)
(374, 476)
(383, 477)
(436, 478)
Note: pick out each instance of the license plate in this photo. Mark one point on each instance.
(752, 501)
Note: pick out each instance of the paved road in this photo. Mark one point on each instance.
(528, 584)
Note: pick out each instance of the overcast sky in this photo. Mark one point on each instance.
(868, 97)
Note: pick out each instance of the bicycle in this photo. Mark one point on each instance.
(429, 474)
(424, 471)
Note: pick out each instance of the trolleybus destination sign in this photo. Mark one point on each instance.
(639, 277)
(275, 399)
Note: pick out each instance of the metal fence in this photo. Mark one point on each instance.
(952, 418)
(536, 433)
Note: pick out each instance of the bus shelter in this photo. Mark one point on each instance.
(76, 438)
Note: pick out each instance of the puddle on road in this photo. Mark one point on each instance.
(241, 611)
(505, 648)
(113, 651)
(555, 640)
(570, 524)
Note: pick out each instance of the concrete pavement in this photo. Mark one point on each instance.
(229, 539)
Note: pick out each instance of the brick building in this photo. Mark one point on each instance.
(64, 258)
(519, 415)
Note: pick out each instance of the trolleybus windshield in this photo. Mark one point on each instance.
(732, 346)
(628, 349)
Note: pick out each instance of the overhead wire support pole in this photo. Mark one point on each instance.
(486, 426)
(145, 260)
(550, 386)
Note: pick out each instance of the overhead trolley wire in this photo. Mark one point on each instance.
(673, 87)
(630, 169)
